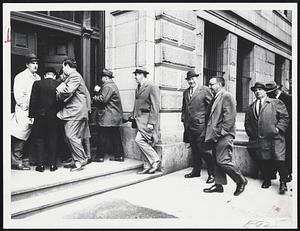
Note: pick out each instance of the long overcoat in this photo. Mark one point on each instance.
(194, 111)
(265, 143)
(108, 104)
(146, 110)
(20, 122)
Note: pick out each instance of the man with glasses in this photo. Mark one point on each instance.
(266, 122)
(220, 133)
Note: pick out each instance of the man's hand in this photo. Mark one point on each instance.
(150, 127)
(97, 88)
(277, 130)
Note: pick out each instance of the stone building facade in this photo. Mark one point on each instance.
(242, 46)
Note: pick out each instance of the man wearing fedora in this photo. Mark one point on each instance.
(72, 92)
(108, 116)
(145, 116)
(195, 103)
(273, 91)
(21, 124)
(266, 121)
(220, 133)
(43, 107)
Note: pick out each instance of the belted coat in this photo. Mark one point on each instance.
(20, 122)
(265, 143)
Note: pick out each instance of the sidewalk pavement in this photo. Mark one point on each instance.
(172, 201)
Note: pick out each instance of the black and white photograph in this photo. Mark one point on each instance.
(150, 115)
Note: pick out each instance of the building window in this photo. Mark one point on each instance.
(73, 16)
(213, 51)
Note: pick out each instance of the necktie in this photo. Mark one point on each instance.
(139, 87)
(260, 106)
(191, 92)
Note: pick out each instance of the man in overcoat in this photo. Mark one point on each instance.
(74, 113)
(108, 116)
(195, 103)
(266, 122)
(274, 92)
(145, 115)
(220, 134)
(21, 124)
(43, 108)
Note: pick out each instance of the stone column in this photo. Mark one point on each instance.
(230, 62)
(286, 75)
(86, 47)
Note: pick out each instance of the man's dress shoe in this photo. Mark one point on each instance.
(40, 168)
(53, 168)
(210, 179)
(89, 161)
(154, 168)
(289, 178)
(67, 160)
(282, 187)
(99, 160)
(69, 166)
(193, 173)
(21, 167)
(144, 171)
(77, 167)
(117, 158)
(214, 188)
(240, 188)
(266, 184)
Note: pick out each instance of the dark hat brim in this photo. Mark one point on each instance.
(140, 71)
(194, 75)
(273, 89)
(254, 87)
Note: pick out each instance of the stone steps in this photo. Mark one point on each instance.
(26, 201)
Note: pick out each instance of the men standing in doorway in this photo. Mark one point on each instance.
(195, 103)
(274, 92)
(220, 133)
(145, 115)
(43, 108)
(75, 112)
(266, 122)
(21, 124)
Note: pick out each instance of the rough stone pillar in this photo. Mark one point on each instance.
(230, 62)
(286, 75)
(86, 47)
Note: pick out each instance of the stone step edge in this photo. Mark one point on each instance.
(33, 189)
(72, 199)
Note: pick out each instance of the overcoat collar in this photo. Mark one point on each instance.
(266, 101)
(219, 96)
(143, 87)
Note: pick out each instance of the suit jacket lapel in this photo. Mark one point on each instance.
(254, 110)
(197, 91)
(216, 103)
(264, 105)
(143, 87)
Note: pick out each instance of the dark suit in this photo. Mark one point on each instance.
(287, 100)
(43, 108)
(108, 116)
(193, 116)
(220, 133)
(146, 111)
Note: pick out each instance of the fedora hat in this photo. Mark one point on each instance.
(141, 70)
(271, 86)
(107, 73)
(191, 74)
(258, 85)
(31, 58)
(50, 69)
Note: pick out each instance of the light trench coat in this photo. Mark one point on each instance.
(20, 122)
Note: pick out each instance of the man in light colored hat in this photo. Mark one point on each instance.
(21, 124)
(195, 104)
(266, 121)
(145, 116)
(108, 116)
(273, 91)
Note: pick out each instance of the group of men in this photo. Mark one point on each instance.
(42, 104)
(209, 115)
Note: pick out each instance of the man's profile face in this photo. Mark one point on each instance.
(214, 85)
(139, 77)
(66, 69)
(32, 66)
(192, 81)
